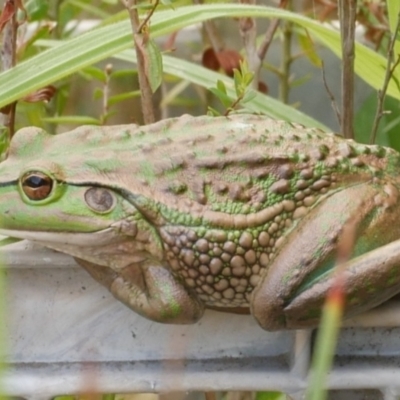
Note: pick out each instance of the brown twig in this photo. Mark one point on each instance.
(269, 35)
(210, 396)
(286, 62)
(216, 42)
(388, 75)
(8, 60)
(148, 16)
(347, 16)
(248, 31)
(330, 94)
(106, 94)
(234, 105)
(140, 37)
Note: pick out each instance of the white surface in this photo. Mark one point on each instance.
(61, 315)
(65, 330)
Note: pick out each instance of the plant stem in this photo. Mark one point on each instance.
(8, 60)
(284, 77)
(388, 75)
(140, 36)
(347, 16)
(248, 31)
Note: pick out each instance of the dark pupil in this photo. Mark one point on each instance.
(36, 182)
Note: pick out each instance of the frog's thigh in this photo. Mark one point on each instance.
(150, 290)
(290, 296)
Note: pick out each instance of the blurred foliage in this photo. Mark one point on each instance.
(55, 46)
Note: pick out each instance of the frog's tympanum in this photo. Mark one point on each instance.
(232, 213)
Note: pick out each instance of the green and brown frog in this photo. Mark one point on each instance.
(233, 213)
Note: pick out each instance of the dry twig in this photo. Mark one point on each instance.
(140, 38)
(8, 57)
(347, 16)
(330, 94)
(248, 31)
(215, 39)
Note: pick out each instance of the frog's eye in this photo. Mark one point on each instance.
(36, 185)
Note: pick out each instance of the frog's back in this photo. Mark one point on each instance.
(237, 165)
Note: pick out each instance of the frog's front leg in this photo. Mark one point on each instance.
(293, 290)
(150, 290)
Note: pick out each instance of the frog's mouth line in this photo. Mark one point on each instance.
(99, 238)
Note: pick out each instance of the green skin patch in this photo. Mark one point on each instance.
(232, 213)
(20, 211)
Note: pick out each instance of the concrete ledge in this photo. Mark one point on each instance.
(64, 330)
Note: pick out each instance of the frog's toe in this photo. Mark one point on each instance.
(268, 310)
(303, 312)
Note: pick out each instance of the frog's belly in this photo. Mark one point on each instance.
(223, 272)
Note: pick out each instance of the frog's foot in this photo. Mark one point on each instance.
(292, 292)
(150, 290)
(365, 286)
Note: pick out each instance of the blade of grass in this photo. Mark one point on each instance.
(332, 315)
(325, 344)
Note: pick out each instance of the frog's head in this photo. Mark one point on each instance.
(71, 190)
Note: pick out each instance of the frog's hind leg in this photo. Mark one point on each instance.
(292, 291)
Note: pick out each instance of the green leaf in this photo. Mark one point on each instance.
(98, 93)
(41, 31)
(248, 78)
(171, 96)
(300, 81)
(393, 11)
(108, 396)
(213, 112)
(123, 96)
(389, 127)
(308, 47)
(222, 97)
(89, 8)
(249, 96)
(153, 64)
(221, 86)
(121, 73)
(4, 141)
(8, 240)
(238, 81)
(37, 9)
(105, 117)
(270, 396)
(96, 73)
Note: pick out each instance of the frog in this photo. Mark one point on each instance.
(238, 213)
